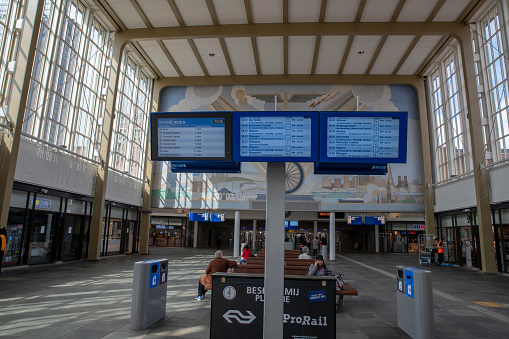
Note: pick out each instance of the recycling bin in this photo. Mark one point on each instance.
(415, 302)
(149, 293)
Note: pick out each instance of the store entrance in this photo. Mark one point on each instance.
(72, 235)
(42, 236)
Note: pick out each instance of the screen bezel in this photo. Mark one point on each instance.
(402, 144)
(314, 135)
(155, 116)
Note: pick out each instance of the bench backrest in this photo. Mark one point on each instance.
(261, 270)
(289, 261)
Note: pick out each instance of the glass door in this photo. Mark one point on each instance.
(42, 235)
(114, 236)
(505, 246)
(71, 237)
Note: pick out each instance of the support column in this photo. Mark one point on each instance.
(315, 229)
(195, 237)
(377, 243)
(236, 235)
(10, 139)
(332, 236)
(255, 237)
(274, 251)
(427, 165)
(482, 192)
(104, 155)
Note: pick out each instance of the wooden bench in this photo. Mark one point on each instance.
(260, 269)
(289, 262)
(349, 290)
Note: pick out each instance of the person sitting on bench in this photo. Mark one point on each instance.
(218, 264)
(318, 267)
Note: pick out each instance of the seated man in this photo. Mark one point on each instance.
(218, 264)
(305, 253)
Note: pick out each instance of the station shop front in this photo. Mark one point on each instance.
(48, 226)
(400, 237)
(170, 232)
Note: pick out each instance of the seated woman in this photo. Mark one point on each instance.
(318, 267)
(218, 264)
(246, 253)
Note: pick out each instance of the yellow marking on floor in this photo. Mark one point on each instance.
(489, 304)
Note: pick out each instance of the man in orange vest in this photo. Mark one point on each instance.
(440, 250)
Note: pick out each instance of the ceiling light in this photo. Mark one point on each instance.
(212, 54)
(360, 52)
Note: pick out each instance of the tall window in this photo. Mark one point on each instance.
(496, 81)
(10, 11)
(131, 122)
(65, 102)
(441, 158)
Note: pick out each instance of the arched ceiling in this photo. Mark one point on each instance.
(287, 41)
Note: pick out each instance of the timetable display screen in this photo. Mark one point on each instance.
(191, 136)
(276, 136)
(364, 137)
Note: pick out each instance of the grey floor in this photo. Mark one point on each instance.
(93, 299)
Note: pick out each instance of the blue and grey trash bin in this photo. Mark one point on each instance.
(415, 302)
(149, 293)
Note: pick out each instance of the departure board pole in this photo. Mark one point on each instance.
(274, 251)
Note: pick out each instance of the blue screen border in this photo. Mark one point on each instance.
(403, 131)
(236, 135)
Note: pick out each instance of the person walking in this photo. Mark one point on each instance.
(440, 251)
(218, 241)
(3, 245)
(316, 244)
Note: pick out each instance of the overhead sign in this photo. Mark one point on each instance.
(237, 312)
(43, 204)
(191, 136)
(368, 220)
(275, 136)
(198, 217)
(354, 220)
(418, 226)
(216, 217)
(363, 137)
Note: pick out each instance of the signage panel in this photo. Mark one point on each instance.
(354, 220)
(216, 217)
(275, 136)
(363, 137)
(368, 220)
(237, 307)
(191, 136)
(198, 217)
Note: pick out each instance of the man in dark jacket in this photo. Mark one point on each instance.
(218, 264)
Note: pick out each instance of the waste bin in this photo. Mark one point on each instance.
(415, 302)
(149, 293)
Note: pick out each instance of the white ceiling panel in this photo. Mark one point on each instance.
(332, 49)
(390, 55)
(300, 54)
(417, 10)
(159, 59)
(212, 56)
(194, 12)
(304, 10)
(158, 13)
(184, 57)
(127, 13)
(241, 55)
(379, 10)
(230, 12)
(357, 63)
(420, 52)
(271, 54)
(341, 10)
(451, 10)
(267, 11)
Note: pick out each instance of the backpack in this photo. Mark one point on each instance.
(340, 284)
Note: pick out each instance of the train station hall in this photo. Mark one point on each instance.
(159, 156)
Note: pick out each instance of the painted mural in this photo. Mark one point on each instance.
(400, 190)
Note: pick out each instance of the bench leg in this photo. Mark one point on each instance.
(339, 302)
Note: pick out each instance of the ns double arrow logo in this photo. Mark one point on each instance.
(237, 315)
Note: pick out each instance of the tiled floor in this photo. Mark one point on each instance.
(93, 299)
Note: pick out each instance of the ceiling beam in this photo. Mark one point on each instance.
(285, 11)
(435, 10)
(176, 12)
(407, 53)
(285, 54)
(110, 14)
(140, 12)
(212, 11)
(472, 9)
(198, 57)
(295, 29)
(140, 52)
(323, 10)
(318, 41)
(170, 58)
(398, 10)
(350, 79)
(360, 10)
(249, 12)
(256, 56)
(345, 55)
(376, 54)
(226, 56)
